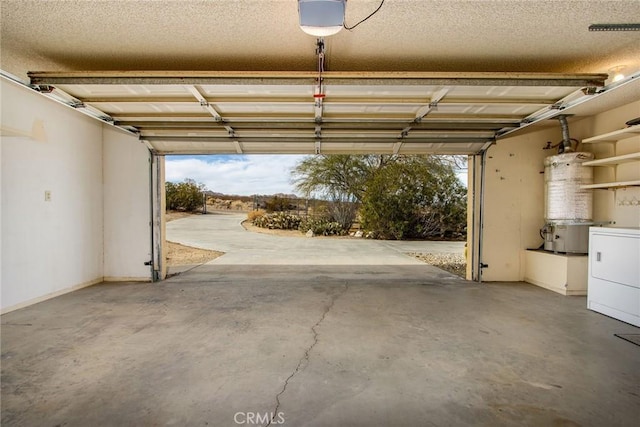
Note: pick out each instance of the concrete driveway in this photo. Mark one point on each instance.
(224, 232)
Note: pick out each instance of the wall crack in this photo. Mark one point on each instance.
(305, 358)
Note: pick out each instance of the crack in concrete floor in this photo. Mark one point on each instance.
(305, 357)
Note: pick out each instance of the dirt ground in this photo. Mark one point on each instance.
(186, 255)
(173, 215)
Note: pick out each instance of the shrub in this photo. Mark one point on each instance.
(343, 212)
(253, 215)
(185, 195)
(279, 204)
(278, 221)
(399, 196)
(322, 227)
(414, 198)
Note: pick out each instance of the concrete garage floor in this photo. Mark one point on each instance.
(391, 345)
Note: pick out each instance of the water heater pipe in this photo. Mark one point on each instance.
(566, 140)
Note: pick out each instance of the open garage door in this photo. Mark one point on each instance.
(327, 113)
(302, 113)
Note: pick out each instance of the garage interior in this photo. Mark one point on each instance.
(93, 97)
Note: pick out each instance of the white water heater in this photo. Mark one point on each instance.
(568, 208)
(564, 199)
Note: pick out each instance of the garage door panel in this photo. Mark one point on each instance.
(287, 112)
(147, 107)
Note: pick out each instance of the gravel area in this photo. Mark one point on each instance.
(453, 263)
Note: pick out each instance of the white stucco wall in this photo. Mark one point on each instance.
(48, 246)
(95, 226)
(127, 204)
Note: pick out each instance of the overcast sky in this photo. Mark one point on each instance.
(236, 174)
(239, 174)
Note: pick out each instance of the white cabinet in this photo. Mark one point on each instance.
(565, 274)
(614, 273)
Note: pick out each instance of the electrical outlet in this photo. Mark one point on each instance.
(47, 196)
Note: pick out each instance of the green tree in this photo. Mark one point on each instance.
(415, 197)
(338, 175)
(400, 196)
(185, 195)
(340, 179)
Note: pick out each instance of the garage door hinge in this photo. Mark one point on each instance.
(484, 265)
(148, 262)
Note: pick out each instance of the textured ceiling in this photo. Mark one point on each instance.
(406, 35)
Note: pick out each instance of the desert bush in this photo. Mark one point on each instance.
(185, 195)
(399, 196)
(322, 227)
(343, 212)
(279, 204)
(418, 197)
(253, 215)
(324, 212)
(278, 221)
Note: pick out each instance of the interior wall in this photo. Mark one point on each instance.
(75, 199)
(127, 207)
(52, 197)
(621, 206)
(514, 189)
(514, 202)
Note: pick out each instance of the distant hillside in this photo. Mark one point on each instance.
(223, 196)
(234, 202)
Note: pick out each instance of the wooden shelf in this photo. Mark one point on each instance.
(613, 161)
(616, 160)
(607, 185)
(614, 136)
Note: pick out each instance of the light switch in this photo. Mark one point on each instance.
(47, 196)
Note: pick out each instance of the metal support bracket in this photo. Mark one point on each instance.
(397, 146)
(238, 146)
(42, 88)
